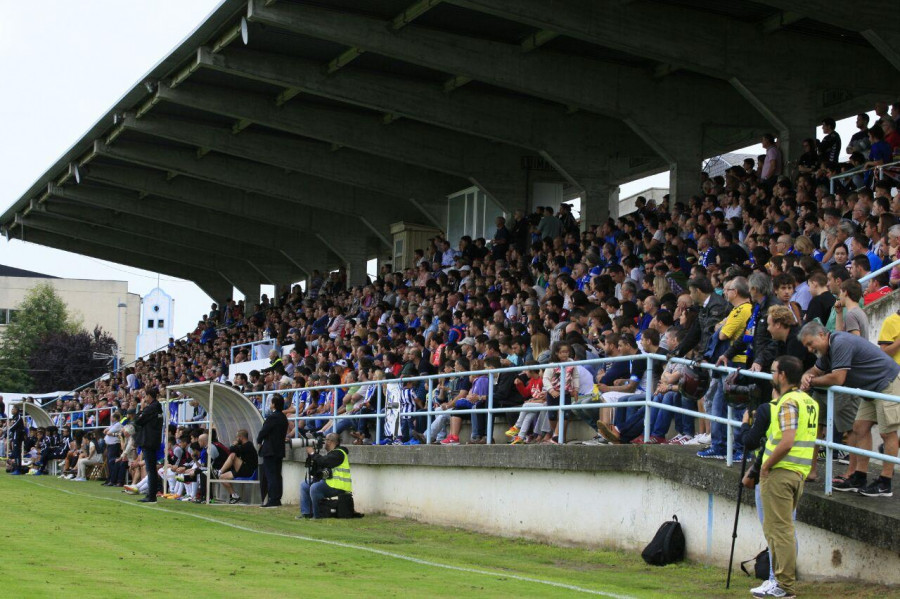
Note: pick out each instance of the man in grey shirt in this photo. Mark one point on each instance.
(853, 361)
(851, 318)
(549, 226)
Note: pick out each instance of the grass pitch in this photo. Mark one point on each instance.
(65, 539)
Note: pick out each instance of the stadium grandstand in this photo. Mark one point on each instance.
(283, 141)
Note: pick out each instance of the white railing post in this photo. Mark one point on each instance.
(648, 399)
(489, 431)
(729, 446)
(378, 413)
(829, 439)
(561, 418)
(429, 406)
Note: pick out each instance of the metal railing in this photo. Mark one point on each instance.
(258, 349)
(877, 170)
(875, 273)
(562, 409)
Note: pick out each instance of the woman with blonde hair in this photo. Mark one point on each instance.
(540, 348)
(803, 245)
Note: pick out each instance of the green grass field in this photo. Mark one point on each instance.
(63, 539)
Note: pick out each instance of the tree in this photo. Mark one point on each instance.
(66, 360)
(40, 314)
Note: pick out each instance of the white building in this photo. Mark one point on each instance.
(94, 303)
(157, 321)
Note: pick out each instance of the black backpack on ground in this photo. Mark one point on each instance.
(760, 566)
(667, 546)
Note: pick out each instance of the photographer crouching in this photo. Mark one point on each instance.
(328, 476)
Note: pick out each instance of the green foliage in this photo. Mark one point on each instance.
(41, 313)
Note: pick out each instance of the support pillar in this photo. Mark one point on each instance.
(218, 289)
(356, 271)
(599, 199)
(684, 176)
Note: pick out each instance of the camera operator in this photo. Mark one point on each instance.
(271, 448)
(330, 476)
(150, 421)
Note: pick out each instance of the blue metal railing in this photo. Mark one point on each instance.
(562, 408)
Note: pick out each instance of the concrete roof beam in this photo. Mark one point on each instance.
(309, 157)
(571, 140)
(376, 209)
(495, 167)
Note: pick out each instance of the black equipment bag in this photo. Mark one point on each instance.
(667, 546)
(760, 566)
(340, 506)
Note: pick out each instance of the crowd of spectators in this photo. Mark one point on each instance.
(728, 274)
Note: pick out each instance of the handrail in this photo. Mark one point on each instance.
(875, 273)
(879, 169)
(646, 402)
(253, 344)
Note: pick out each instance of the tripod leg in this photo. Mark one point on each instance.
(737, 513)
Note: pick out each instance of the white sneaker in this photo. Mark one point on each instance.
(774, 590)
(763, 588)
(705, 438)
(695, 440)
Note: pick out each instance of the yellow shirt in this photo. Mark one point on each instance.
(890, 330)
(735, 324)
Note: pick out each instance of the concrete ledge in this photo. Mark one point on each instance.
(868, 520)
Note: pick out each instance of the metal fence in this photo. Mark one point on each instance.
(490, 410)
(258, 349)
(877, 170)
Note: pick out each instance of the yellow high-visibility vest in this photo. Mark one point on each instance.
(803, 452)
(340, 476)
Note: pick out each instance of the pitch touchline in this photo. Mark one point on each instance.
(400, 556)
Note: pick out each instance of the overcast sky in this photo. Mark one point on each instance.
(63, 64)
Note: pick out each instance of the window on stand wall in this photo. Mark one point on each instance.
(471, 212)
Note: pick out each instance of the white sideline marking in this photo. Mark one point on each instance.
(400, 556)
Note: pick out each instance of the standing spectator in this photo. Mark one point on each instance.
(772, 166)
(113, 450)
(150, 421)
(830, 146)
(15, 432)
(849, 317)
(889, 337)
(859, 141)
(501, 239)
(549, 225)
(852, 361)
(271, 448)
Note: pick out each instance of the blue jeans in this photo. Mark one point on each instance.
(662, 419)
(625, 415)
(312, 494)
(719, 408)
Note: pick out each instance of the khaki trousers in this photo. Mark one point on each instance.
(780, 492)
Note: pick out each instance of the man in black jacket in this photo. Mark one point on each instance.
(15, 432)
(150, 423)
(271, 448)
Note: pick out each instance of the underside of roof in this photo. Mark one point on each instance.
(284, 136)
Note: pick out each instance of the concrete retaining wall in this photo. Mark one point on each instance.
(607, 497)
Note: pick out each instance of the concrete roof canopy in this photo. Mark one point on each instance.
(284, 136)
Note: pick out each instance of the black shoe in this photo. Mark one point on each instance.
(271, 505)
(880, 487)
(234, 500)
(854, 482)
(303, 517)
(147, 500)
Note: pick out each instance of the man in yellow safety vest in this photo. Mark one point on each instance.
(333, 473)
(787, 460)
